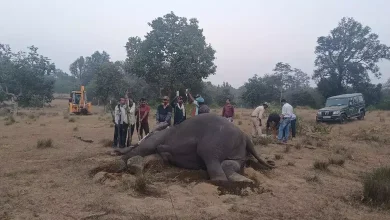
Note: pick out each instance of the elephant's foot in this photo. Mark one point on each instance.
(235, 177)
(232, 169)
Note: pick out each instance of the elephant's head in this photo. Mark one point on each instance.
(146, 146)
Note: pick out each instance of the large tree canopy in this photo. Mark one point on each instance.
(84, 69)
(173, 56)
(347, 55)
(24, 76)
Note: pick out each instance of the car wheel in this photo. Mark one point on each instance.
(343, 118)
(361, 116)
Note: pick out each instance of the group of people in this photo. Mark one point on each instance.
(281, 122)
(128, 117)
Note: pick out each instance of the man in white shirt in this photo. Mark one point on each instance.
(285, 121)
(121, 124)
(256, 117)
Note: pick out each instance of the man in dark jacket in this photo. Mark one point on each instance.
(179, 110)
(273, 118)
(228, 111)
(163, 114)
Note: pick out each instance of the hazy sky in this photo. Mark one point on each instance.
(250, 37)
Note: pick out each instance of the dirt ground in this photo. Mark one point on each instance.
(71, 179)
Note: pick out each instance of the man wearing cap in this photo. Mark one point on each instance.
(201, 107)
(285, 121)
(256, 117)
(164, 114)
(179, 112)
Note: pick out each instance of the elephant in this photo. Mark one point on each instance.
(206, 141)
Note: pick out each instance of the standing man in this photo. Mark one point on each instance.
(285, 123)
(257, 115)
(228, 111)
(163, 114)
(142, 116)
(121, 124)
(293, 124)
(200, 106)
(179, 110)
(131, 117)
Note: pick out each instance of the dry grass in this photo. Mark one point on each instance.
(72, 119)
(106, 142)
(76, 128)
(53, 183)
(278, 157)
(313, 179)
(321, 165)
(264, 141)
(321, 128)
(44, 143)
(337, 161)
(376, 187)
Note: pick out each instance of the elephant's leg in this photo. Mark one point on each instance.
(165, 152)
(180, 155)
(215, 171)
(232, 169)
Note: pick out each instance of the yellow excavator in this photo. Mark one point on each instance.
(78, 104)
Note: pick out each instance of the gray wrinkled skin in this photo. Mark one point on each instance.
(206, 141)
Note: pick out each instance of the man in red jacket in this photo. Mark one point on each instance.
(228, 111)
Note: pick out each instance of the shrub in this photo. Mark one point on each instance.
(376, 187)
(9, 120)
(321, 165)
(337, 161)
(45, 143)
(72, 119)
(321, 128)
(278, 157)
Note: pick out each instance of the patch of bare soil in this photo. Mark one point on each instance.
(318, 176)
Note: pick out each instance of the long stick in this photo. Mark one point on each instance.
(139, 123)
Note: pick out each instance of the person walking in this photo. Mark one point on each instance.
(142, 115)
(163, 114)
(121, 124)
(130, 108)
(228, 111)
(285, 121)
(256, 117)
(179, 112)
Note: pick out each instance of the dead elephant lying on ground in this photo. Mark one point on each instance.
(207, 141)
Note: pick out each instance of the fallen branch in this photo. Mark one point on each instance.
(93, 216)
(84, 140)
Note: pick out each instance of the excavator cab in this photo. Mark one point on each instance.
(78, 103)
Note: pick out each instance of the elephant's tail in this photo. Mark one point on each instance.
(250, 148)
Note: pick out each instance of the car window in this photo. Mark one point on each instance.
(361, 100)
(355, 100)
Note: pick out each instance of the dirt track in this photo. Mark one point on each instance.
(58, 182)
